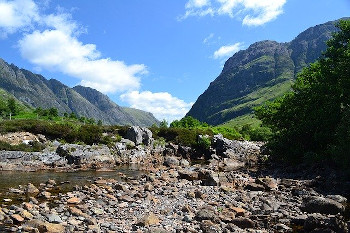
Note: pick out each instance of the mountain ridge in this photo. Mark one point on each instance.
(34, 90)
(262, 72)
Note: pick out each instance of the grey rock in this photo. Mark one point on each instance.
(208, 177)
(338, 198)
(188, 174)
(206, 213)
(171, 161)
(321, 223)
(139, 135)
(54, 218)
(209, 227)
(322, 205)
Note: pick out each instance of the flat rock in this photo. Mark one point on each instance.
(148, 219)
(73, 200)
(243, 222)
(322, 205)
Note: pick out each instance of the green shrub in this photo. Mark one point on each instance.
(32, 147)
(204, 142)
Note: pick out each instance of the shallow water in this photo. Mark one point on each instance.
(65, 180)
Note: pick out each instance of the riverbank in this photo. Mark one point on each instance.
(227, 193)
(177, 199)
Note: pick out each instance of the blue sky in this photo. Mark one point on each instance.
(156, 55)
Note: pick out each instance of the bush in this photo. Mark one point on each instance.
(68, 132)
(204, 142)
(32, 147)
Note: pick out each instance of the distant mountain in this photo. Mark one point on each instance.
(262, 72)
(34, 91)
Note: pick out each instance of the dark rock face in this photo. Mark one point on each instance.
(36, 91)
(262, 72)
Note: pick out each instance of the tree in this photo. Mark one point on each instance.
(187, 122)
(305, 122)
(12, 106)
(163, 124)
(53, 112)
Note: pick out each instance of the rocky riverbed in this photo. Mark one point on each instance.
(175, 199)
(173, 194)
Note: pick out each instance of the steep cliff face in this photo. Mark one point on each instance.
(262, 72)
(34, 91)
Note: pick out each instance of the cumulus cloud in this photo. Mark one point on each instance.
(253, 12)
(227, 50)
(162, 104)
(17, 15)
(59, 51)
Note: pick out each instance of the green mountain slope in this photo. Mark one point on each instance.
(34, 90)
(262, 72)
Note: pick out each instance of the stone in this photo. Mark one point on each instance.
(17, 218)
(322, 205)
(51, 182)
(73, 200)
(320, 223)
(188, 174)
(283, 228)
(171, 161)
(208, 227)
(27, 215)
(126, 198)
(148, 219)
(139, 135)
(46, 227)
(148, 187)
(186, 208)
(243, 222)
(268, 183)
(208, 177)
(338, 198)
(226, 215)
(31, 189)
(232, 165)
(184, 163)
(255, 187)
(239, 212)
(28, 206)
(46, 195)
(54, 218)
(206, 213)
(120, 187)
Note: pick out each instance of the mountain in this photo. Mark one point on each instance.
(262, 72)
(34, 90)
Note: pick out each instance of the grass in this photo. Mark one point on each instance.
(246, 104)
(239, 122)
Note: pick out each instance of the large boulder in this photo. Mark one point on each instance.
(244, 151)
(322, 205)
(208, 177)
(140, 135)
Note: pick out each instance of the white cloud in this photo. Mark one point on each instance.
(197, 3)
(208, 38)
(162, 104)
(59, 51)
(227, 50)
(17, 15)
(253, 12)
